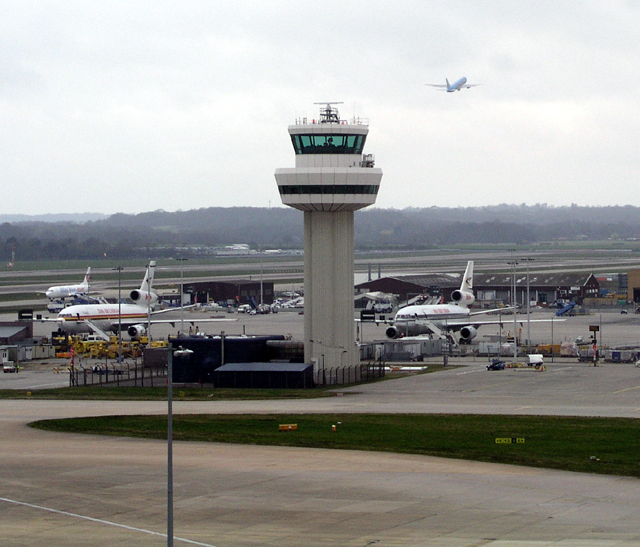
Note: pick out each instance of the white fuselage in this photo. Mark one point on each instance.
(457, 85)
(439, 314)
(104, 316)
(66, 291)
(438, 319)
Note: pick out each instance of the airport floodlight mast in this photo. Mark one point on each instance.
(331, 179)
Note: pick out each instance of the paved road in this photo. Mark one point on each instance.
(60, 489)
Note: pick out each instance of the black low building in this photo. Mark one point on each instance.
(265, 375)
(267, 361)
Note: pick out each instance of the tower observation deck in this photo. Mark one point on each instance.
(331, 179)
(331, 172)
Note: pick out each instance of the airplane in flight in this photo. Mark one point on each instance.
(66, 291)
(443, 319)
(455, 86)
(103, 319)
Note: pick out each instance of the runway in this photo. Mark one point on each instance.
(67, 490)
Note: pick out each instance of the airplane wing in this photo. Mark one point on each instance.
(457, 324)
(443, 329)
(130, 323)
(439, 86)
(470, 85)
(494, 310)
(189, 320)
(506, 320)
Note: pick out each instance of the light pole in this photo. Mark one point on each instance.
(182, 260)
(178, 353)
(119, 269)
(552, 338)
(149, 312)
(528, 259)
(500, 335)
(261, 285)
(514, 301)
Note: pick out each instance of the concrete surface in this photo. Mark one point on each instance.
(67, 490)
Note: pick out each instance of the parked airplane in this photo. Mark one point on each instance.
(104, 318)
(455, 86)
(65, 291)
(442, 319)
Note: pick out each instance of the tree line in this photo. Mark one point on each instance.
(164, 234)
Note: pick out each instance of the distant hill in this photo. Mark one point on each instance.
(161, 233)
(54, 217)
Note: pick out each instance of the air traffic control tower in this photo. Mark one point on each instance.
(332, 179)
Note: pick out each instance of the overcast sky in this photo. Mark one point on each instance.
(134, 106)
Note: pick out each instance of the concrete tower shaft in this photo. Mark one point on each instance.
(332, 179)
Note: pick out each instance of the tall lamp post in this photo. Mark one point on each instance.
(119, 269)
(528, 259)
(514, 301)
(180, 352)
(182, 260)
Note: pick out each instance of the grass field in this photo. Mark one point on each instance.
(597, 445)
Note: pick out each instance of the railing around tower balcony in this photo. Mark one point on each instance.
(313, 121)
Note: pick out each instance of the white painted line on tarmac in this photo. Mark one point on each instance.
(627, 389)
(100, 521)
(481, 369)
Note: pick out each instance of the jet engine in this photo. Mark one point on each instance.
(402, 330)
(463, 298)
(143, 298)
(393, 333)
(136, 331)
(468, 333)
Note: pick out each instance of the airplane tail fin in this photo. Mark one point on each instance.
(464, 295)
(87, 276)
(467, 280)
(448, 84)
(147, 282)
(145, 293)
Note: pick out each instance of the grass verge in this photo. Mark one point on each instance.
(114, 393)
(597, 445)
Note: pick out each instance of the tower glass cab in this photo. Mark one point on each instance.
(331, 179)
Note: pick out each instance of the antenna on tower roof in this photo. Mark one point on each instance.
(328, 114)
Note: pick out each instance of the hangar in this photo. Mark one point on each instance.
(633, 286)
(544, 288)
(12, 333)
(239, 291)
